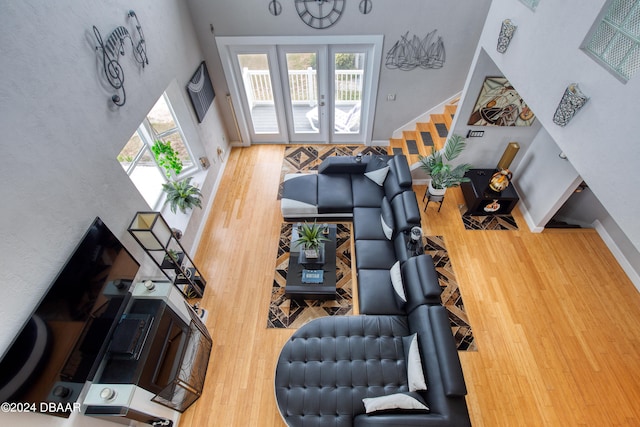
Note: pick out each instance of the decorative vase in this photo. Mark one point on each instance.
(500, 180)
(572, 101)
(506, 34)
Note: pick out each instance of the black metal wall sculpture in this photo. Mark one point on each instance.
(407, 54)
(111, 51)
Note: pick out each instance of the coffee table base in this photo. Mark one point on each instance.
(313, 292)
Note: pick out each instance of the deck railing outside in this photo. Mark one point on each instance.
(303, 86)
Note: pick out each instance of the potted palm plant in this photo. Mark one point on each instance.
(182, 195)
(443, 175)
(311, 237)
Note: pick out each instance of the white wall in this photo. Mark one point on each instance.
(459, 23)
(60, 140)
(485, 151)
(543, 58)
(544, 181)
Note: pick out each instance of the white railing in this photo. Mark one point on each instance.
(303, 85)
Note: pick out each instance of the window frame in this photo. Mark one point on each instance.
(618, 30)
(148, 136)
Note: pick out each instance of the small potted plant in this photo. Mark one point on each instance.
(311, 237)
(182, 195)
(167, 157)
(172, 257)
(443, 175)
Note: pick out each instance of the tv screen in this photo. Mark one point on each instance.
(62, 344)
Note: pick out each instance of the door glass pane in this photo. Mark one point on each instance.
(348, 91)
(257, 86)
(303, 88)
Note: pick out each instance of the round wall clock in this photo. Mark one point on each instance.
(320, 13)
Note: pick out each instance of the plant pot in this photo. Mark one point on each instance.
(312, 256)
(436, 191)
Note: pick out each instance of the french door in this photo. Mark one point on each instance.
(316, 90)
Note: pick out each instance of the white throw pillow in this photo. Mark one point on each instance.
(396, 281)
(410, 401)
(378, 176)
(386, 228)
(415, 374)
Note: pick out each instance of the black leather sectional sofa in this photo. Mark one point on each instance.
(361, 370)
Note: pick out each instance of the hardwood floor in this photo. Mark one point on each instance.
(554, 316)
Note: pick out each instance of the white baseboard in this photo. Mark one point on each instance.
(424, 117)
(527, 217)
(631, 272)
(214, 191)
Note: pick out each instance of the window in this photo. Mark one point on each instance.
(137, 159)
(615, 41)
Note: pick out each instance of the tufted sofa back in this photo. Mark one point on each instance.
(331, 364)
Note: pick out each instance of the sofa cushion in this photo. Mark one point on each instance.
(406, 212)
(299, 195)
(302, 187)
(376, 294)
(400, 247)
(342, 164)
(334, 193)
(398, 177)
(330, 364)
(377, 170)
(421, 281)
(375, 254)
(415, 373)
(400, 167)
(431, 323)
(387, 218)
(396, 281)
(366, 224)
(366, 193)
(409, 401)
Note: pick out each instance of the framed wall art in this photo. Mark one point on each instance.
(201, 91)
(499, 104)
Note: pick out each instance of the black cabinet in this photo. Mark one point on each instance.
(482, 200)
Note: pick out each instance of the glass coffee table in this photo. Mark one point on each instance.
(315, 278)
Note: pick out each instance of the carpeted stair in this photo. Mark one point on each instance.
(433, 133)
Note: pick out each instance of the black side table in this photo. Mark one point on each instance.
(482, 200)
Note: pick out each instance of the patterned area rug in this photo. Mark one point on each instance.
(307, 158)
(487, 222)
(451, 298)
(286, 313)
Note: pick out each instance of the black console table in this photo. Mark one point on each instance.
(482, 200)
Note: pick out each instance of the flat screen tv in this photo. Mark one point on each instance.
(62, 344)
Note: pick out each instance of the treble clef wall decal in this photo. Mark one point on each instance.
(113, 48)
